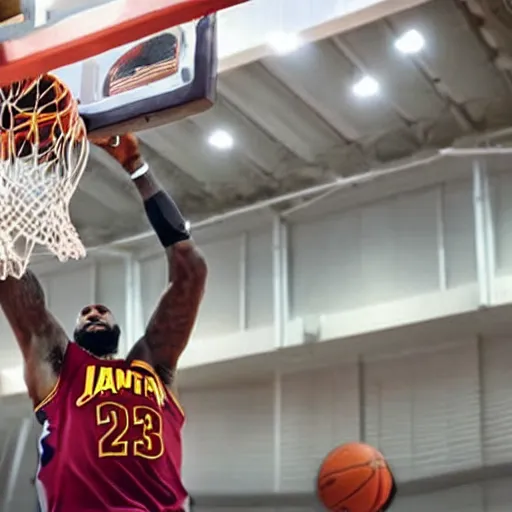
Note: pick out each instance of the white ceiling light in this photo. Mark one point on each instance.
(366, 87)
(283, 43)
(410, 42)
(221, 139)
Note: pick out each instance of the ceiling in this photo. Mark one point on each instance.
(296, 123)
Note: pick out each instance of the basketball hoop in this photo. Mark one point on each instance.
(43, 154)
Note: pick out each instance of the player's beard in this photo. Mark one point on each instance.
(99, 343)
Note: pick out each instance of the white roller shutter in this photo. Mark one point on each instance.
(423, 411)
(228, 440)
(497, 400)
(319, 412)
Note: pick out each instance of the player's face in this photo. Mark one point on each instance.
(97, 330)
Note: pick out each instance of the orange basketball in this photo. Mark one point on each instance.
(37, 112)
(354, 477)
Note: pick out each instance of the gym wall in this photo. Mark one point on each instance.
(434, 394)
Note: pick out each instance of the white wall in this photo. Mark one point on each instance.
(431, 411)
(394, 248)
(367, 255)
(502, 211)
(237, 265)
(371, 253)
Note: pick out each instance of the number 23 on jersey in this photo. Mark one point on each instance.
(121, 423)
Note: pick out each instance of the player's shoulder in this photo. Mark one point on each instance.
(168, 391)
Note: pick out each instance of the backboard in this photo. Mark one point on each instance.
(131, 64)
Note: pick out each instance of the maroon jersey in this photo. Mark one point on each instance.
(111, 439)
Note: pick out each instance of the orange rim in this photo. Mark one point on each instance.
(96, 31)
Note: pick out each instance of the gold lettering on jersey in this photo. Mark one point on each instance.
(123, 378)
(101, 379)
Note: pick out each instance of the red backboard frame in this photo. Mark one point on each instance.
(95, 31)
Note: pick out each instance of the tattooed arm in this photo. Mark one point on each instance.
(40, 337)
(169, 328)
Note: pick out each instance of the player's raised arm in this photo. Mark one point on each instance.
(41, 339)
(170, 326)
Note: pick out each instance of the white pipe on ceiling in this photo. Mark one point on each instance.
(319, 191)
(338, 184)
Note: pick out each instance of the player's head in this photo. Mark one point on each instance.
(97, 331)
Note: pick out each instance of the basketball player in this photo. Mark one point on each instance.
(111, 435)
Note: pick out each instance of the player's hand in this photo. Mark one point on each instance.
(124, 148)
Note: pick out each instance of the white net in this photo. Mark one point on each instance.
(43, 154)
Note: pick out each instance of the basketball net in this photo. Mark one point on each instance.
(43, 154)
